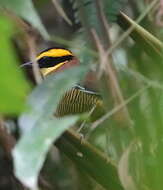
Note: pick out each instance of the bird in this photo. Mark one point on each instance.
(79, 99)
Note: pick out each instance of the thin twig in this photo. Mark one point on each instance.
(32, 54)
(112, 79)
(117, 108)
(109, 69)
(88, 116)
(140, 77)
(20, 22)
(104, 26)
(61, 11)
(29, 34)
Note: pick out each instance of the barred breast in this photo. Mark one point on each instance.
(77, 100)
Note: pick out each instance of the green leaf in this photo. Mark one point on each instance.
(86, 13)
(148, 42)
(13, 85)
(39, 128)
(112, 8)
(90, 160)
(26, 10)
(30, 152)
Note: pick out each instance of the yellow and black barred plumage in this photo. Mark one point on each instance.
(76, 100)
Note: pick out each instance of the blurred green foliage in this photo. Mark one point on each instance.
(26, 10)
(111, 156)
(14, 88)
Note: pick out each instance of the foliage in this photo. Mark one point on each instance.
(122, 149)
(13, 85)
(112, 8)
(40, 128)
(23, 8)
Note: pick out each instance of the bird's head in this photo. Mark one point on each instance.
(54, 59)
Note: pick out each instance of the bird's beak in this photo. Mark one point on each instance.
(26, 64)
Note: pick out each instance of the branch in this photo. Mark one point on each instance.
(7, 141)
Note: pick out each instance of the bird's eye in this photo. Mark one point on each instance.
(45, 62)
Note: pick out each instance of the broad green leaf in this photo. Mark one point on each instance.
(39, 128)
(44, 99)
(26, 10)
(90, 160)
(12, 83)
(30, 152)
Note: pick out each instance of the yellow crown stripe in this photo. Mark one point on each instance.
(54, 53)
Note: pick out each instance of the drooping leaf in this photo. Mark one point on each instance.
(147, 41)
(26, 10)
(12, 83)
(30, 152)
(39, 128)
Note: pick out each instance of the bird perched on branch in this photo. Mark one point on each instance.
(78, 99)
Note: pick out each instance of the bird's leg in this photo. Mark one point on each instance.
(84, 122)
